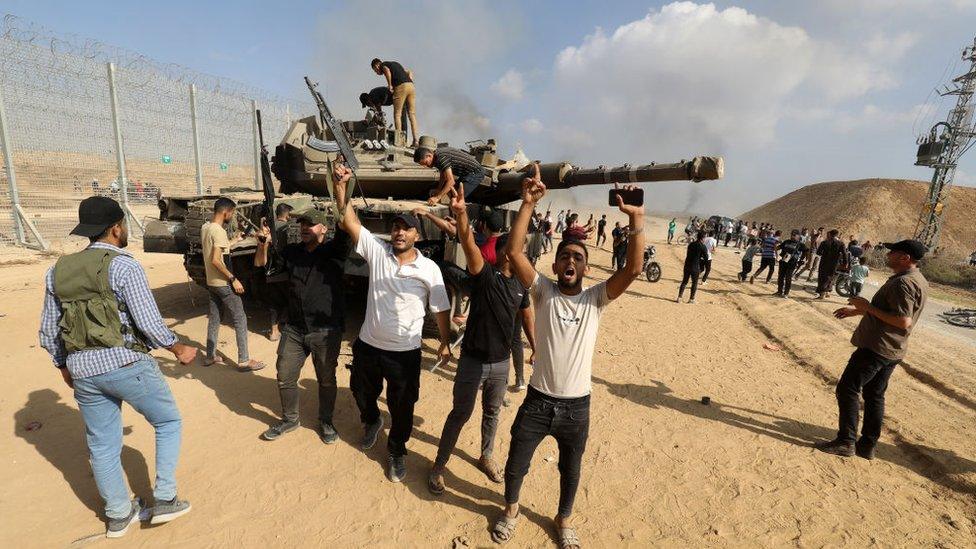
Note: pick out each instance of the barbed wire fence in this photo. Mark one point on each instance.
(64, 98)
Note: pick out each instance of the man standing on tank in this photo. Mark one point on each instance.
(400, 83)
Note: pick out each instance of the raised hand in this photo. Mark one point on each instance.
(533, 189)
(628, 209)
(458, 205)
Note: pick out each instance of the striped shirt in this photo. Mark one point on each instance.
(128, 281)
(769, 246)
(462, 164)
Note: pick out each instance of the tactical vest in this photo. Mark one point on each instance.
(89, 309)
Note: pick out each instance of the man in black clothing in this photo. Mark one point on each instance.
(454, 166)
(399, 81)
(832, 252)
(601, 230)
(790, 253)
(316, 315)
(694, 259)
(496, 300)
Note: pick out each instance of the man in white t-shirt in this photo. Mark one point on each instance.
(710, 245)
(567, 319)
(403, 286)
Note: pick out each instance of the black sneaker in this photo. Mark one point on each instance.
(397, 468)
(117, 527)
(328, 433)
(276, 431)
(165, 511)
(836, 447)
(864, 450)
(370, 432)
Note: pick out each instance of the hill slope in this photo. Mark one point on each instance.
(878, 210)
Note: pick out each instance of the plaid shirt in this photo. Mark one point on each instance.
(128, 282)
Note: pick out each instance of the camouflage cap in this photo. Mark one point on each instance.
(313, 216)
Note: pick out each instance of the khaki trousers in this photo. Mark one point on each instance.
(405, 95)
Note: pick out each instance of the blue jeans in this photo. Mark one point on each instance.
(100, 400)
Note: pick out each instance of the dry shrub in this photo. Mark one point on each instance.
(950, 272)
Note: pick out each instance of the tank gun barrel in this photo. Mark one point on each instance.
(563, 175)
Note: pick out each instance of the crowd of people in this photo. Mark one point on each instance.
(100, 322)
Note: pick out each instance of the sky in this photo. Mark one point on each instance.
(790, 93)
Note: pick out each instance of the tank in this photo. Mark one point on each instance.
(386, 182)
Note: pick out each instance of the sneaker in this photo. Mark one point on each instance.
(328, 433)
(370, 432)
(864, 450)
(520, 387)
(276, 431)
(703, 283)
(692, 300)
(397, 468)
(752, 280)
(836, 447)
(117, 527)
(165, 511)
(677, 299)
(777, 294)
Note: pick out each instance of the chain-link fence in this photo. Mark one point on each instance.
(62, 99)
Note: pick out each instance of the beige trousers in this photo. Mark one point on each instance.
(405, 95)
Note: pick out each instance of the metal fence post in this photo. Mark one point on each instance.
(257, 145)
(196, 137)
(120, 154)
(16, 212)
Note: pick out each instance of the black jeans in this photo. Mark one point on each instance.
(293, 350)
(767, 262)
(401, 371)
(568, 421)
(472, 374)
(785, 280)
(866, 373)
(706, 269)
(620, 257)
(689, 275)
(746, 269)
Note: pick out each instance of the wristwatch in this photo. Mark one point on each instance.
(232, 279)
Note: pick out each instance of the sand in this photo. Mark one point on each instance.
(661, 469)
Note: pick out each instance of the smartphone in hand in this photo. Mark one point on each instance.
(632, 197)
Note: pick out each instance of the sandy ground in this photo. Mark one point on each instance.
(661, 469)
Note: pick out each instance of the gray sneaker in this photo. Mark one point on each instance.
(281, 428)
(165, 511)
(370, 433)
(397, 468)
(328, 433)
(117, 527)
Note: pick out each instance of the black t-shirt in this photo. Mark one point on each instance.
(790, 251)
(601, 225)
(397, 73)
(316, 293)
(697, 254)
(380, 96)
(495, 300)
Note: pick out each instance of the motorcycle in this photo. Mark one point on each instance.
(651, 268)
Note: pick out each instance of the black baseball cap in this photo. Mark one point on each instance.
(409, 220)
(914, 248)
(95, 214)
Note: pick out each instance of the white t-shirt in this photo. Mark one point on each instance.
(395, 304)
(710, 244)
(565, 328)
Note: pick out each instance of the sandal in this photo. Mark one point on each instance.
(251, 366)
(435, 483)
(492, 471)
(217, 360)
(504, 528)
(568, 539)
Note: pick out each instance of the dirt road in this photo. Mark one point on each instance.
(661, 468)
